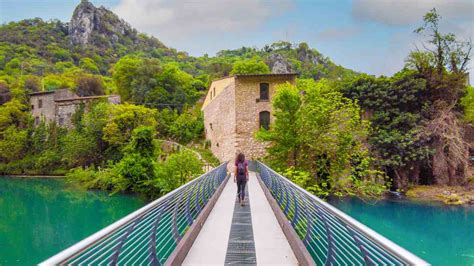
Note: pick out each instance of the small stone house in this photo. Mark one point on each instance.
(60, 105)
(235, 108)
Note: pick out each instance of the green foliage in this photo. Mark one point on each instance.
(146, 81)
(319, 134)
(176, 170)
(138, 164)
(467, 103)
(89, 65)
(395, 107)
(159, 85)
(250, 66)
(187, 127)
(124, 118)
(78, 149)
(305, 180)
(89, 85)
(12, 143)
(13, 113)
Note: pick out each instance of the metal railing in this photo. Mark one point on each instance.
(330, 236)
(150, 234)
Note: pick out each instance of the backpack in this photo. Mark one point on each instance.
(241, 170)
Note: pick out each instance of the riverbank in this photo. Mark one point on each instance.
(450, 195)
(37, 176)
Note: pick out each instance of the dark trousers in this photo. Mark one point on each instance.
(241, 188)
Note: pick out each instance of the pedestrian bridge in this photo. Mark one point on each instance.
(200, 223)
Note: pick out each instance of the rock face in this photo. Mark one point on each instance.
(99, 27)
(279, 64)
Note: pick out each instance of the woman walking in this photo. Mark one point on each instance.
(241, 176)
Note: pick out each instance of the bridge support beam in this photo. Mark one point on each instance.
(299, 249)
(181, 251)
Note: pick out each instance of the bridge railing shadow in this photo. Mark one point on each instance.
(323, 235)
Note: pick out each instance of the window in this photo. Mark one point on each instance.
(61, 121)
(213, 92)
(37, 120)
(210, 125)
(264, 91)
(40, 103)
(32, 107)
(264, 119)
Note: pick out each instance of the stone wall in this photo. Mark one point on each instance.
(66, 108)
(64, 112)
(47, 110)
(231, 119)
(248, 106)
(219, 124)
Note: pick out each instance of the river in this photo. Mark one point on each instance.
(40, 217)
(440, 234)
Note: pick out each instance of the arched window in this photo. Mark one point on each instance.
(264, 119)
(264, 91)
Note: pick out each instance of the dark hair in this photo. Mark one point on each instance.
(240, 158)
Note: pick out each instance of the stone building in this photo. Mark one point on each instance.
(60, 105)
(235, 108)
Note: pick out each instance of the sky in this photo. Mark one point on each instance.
(371, 36)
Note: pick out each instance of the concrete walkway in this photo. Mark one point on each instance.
(271, 246)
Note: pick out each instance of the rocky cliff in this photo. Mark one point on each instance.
(100, 27)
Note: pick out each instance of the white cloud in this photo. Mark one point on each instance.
(405, 12)
(179, 21)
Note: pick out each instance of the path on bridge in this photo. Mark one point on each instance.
(270, 244)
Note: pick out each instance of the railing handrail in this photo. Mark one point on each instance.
(81, 245)
(390, 246)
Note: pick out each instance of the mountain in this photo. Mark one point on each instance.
(96, 38)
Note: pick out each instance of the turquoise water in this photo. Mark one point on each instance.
(40, 217)
(442, 235)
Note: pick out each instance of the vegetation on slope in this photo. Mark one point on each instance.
(415, 135)
(348, 133)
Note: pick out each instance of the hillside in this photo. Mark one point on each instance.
(96, 38)
(348, 133)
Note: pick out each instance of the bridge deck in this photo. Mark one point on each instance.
(271, 246)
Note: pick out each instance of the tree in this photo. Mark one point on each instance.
(123, 119)
(14, 113)
(468, 104)
(443, 65)
(124, 72)
(12, 143)
(89, 65)
(89, 85)
(449, 52)
(395, 109)
(320, 132)
(78, 149)
(138, 164)
(187, 127)
(285, 129)
(137, 78)
(174, 88)
(178, 169)
(5, 94)
(250, 66)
